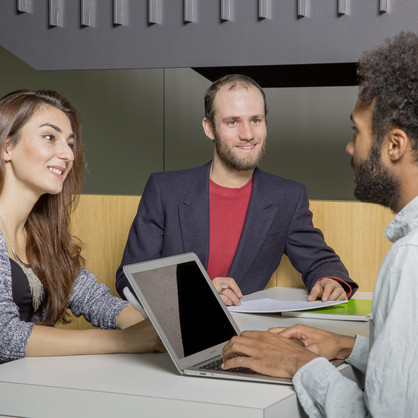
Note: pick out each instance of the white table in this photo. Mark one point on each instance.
(148, 385)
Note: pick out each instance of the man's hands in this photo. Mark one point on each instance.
(228, 289)
(266, 353)
(281, 352)
(322, 343)
(327, 289)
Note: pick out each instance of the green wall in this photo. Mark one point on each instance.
(139, 121)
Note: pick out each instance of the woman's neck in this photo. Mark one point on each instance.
(14, 212)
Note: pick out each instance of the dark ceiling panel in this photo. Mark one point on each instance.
(308, 75)
(321, 40)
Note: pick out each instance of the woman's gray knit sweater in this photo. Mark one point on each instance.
(87, 298)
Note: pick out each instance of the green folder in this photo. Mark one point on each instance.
(353, 310)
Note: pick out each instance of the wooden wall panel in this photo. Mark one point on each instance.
(353, 229)
(102, 224)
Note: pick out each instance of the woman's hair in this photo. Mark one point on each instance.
(388, 76)
(50, 248)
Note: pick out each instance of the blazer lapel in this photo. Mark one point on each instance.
(194, 216)
(260, 215)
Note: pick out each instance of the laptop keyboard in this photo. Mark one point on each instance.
(216, 365)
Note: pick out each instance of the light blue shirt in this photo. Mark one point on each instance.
(390, 356)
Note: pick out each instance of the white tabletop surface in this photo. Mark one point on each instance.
(148, 385)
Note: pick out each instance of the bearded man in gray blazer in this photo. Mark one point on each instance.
(238, 219)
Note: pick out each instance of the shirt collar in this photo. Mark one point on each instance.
(404, 222)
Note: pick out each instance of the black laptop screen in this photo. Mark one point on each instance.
(185, 307)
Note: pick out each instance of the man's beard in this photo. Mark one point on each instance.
(234, 162)
(374, 182)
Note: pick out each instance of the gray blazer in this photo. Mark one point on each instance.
(173, 218)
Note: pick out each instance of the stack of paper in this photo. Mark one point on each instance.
(268, 305)
(354, 310)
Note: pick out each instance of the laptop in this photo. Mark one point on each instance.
(188, 315)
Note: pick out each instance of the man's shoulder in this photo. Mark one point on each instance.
(176, 181)
(272, 180)
(409, 239)
(186, 172)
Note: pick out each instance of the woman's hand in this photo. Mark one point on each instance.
(141, 338)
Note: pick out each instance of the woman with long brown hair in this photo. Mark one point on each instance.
(41, 273)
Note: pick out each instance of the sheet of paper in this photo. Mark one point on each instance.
(268, 305)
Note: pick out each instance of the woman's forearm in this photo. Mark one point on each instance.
(50, 341)
(128, 317)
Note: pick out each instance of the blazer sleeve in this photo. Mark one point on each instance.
(146, 235)
(308, 252)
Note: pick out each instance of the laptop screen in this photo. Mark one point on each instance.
(183, 303)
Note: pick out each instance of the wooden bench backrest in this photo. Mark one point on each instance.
(102, 224)
(353, 229)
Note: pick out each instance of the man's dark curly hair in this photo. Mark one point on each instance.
(389, 77)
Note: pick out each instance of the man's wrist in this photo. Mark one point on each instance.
(346, 346)
(302, 360)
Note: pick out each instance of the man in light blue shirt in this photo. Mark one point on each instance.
(384, 151)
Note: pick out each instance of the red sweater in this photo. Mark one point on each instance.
(228, 209)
